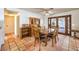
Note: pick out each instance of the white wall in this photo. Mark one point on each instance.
(24, 16)
(1, 14)
(2, 26)
(45, 21)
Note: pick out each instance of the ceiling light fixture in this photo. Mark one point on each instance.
(50, 12)
(47, 14)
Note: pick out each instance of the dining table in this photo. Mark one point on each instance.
(46, 31)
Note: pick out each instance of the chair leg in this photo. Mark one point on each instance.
(35, 43)
(52, 42)
(39, 45)
(46, 41)
(55, 39)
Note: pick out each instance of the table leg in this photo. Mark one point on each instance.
(52, 42)
(46, 41)
(74, 34)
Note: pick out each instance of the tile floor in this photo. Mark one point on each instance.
(15, 44)
(65, 43)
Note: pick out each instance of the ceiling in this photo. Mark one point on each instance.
(53, 10)
(6, 11)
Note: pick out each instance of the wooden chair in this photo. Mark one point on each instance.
(54, 35)
(39, 37)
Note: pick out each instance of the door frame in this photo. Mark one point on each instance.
(15, 14)
(66, 23)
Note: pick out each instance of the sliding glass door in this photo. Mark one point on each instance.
(53, 22)
(63, 23)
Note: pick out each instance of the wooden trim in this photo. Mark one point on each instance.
(66, 25)
(57, 22)
(58, 16)
(49, 23)
(70, 25)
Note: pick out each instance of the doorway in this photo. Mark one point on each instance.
(11, 23)
(62, 22)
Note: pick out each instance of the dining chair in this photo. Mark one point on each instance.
(39, 37)
(53, 35)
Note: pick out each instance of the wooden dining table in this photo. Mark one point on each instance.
(46, 32)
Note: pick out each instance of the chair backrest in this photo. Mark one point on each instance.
(55, 32)
(32, 29)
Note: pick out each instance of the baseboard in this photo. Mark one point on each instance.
(8, 34)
